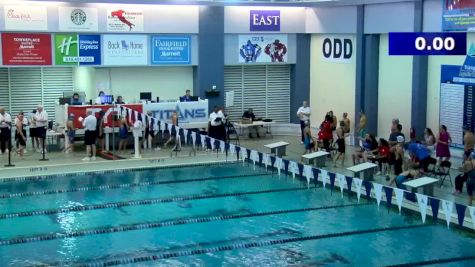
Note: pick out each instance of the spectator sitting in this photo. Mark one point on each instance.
(369, 146)
(382, 156)
(465, 170)
(420, 154)
(393, 137)
(429, 139)
(249, 115)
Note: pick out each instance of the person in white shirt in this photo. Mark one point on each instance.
(90, 124)
(35, 142)
(304, 115)
(41, 120)
(99, 98)
(216, 121)
(5, 132)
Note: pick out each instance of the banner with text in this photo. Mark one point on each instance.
(75, 112)
(338, 49)
(72, 49)
(188, 112)
(458, 15)
(262, 48)
(125, 50)
(171, 50)
(25, 18)
(125, 20)
(26, 49)
(79, 19)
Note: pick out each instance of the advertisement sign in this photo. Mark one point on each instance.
(337, 49)
(264, 20)
(26, 49)
(188, 112)
(72, 49)
(25, 18)
(124, 20)
(262, 48)
(79, 19)
(458, 15)
(80, 111)
(171, 50)
(125, 49)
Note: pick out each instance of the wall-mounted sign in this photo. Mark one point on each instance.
(458, 15)
(26, 49)
(337, 49)
(125, 49)
(72, 49)
(264, 20)
(79, 19)
(171, 50)
(124, 20)
(25, 18)
(262, 48)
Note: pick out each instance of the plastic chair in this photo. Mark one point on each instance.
(443, 172)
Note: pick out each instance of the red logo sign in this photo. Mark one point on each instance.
(26, 49)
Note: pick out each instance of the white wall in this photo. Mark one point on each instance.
(236, 18)
(332, 85)
(164, 82)
(432, 19)
(392, 17)
(394, 90)
(331, 20)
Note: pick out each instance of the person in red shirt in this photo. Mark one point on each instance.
(383, 154)
(325, 134)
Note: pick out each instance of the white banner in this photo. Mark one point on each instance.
(125, 20)
(188, 112)
(399, 197)
(193, 137)
(203, 141)
(447, 207)
(25, 18)
(378, 192)
(266, 160)
(222, 146)
(279, 164)
(262, 48)
(293, 168)
(324, 177)
(125, 50)
(232, 149)
(341, 182)
(358, 183)
(422, 201)
(308, 172)
(77, 19)
(472, 214)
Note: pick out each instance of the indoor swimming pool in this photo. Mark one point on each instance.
(211, 215)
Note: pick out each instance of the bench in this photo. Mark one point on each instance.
(318, 158)
(427, 184)
(364, 170)
(278, 149)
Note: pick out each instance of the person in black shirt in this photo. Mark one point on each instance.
(75, 101)
(249, 115)
(120, 100)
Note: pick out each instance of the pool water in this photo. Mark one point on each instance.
(213, 215)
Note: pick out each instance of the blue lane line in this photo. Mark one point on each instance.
(167, 255)
(141, 202)
(126, 185)
(141, 226)
(56, 176)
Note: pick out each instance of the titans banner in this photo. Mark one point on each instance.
(263, 48)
